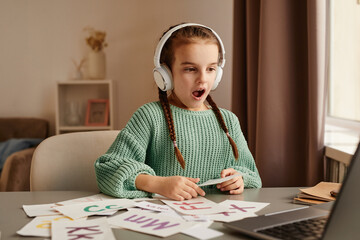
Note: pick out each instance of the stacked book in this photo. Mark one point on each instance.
(320, 193)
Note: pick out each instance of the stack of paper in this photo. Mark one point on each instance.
(320, 193)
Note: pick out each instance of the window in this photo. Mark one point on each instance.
(344, 65)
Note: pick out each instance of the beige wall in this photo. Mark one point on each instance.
(39, 39)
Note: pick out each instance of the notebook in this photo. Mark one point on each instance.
(341, 222)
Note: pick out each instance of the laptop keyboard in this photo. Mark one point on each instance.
(304, 230)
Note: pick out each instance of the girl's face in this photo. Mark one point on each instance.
(193, 72)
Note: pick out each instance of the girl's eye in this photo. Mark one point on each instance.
(212, 69)
(190, 69)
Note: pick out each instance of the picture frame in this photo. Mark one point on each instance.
(97, 112)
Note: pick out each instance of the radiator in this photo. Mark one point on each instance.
(336, 164)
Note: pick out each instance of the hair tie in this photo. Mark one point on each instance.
(175, 145)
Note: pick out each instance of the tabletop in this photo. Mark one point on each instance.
(13, 218)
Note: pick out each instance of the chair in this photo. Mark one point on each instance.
(66, 162)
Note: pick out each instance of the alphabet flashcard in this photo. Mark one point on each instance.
(238, 210)
(92, 198)
(150, 223)
(196, 218)
(202, 232)
(153, 206)
(41, 226)
(75, 211)
(90, 229)
(196, 206)
(40, 210)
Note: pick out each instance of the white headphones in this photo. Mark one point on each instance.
(163, 75)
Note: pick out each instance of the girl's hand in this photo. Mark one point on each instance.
(174, 187)
(179, 188)
(234, 185)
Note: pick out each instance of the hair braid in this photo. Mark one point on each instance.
(170, 123)
(223, 125)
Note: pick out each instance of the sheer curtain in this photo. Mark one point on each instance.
(279, 87)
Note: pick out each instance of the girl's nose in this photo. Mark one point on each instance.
(202, 76)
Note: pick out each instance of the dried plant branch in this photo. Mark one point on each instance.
(96, 39)
(78, 66)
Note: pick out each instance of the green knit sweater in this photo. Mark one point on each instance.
(144, 146)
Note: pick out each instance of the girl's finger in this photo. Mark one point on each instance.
(191, 191)
(185, 195)
(197, 189)
(232, 186)
(227, 183)
(228, 172)
(180, 198)
(231, 181)
(194, 180)
(237, 191)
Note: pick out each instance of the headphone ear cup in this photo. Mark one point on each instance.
(219, 73)
(163, 78)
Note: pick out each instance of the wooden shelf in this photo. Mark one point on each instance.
(71, 104)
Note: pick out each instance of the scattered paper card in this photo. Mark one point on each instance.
(149, 223)
(40, 210)
(202, 233)
(79, 210)
(90, 229)
(41, 226)
(160, 197)
(141, 209)
(218, 180)
(143, 199)
(92, 198)
(196, 218)
(153, 206)
(172, 214)
(196, 206)
(237, 210)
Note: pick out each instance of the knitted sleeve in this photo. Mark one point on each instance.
(118, 168)
(245, 164)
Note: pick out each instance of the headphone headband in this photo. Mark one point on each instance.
(168, 34)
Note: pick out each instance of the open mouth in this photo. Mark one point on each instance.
(198, 93)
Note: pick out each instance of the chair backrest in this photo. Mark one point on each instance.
(66, 161)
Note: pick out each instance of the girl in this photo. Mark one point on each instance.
(169, 146)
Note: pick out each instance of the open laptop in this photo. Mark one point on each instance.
(342, 222)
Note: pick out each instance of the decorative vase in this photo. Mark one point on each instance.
(97, 64)
(73, 117)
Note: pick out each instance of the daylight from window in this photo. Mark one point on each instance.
(344, 71)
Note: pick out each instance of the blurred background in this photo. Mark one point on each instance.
(40, 41)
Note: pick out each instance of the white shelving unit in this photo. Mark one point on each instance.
(71, 104)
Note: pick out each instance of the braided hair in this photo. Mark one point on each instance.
(183, 36)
